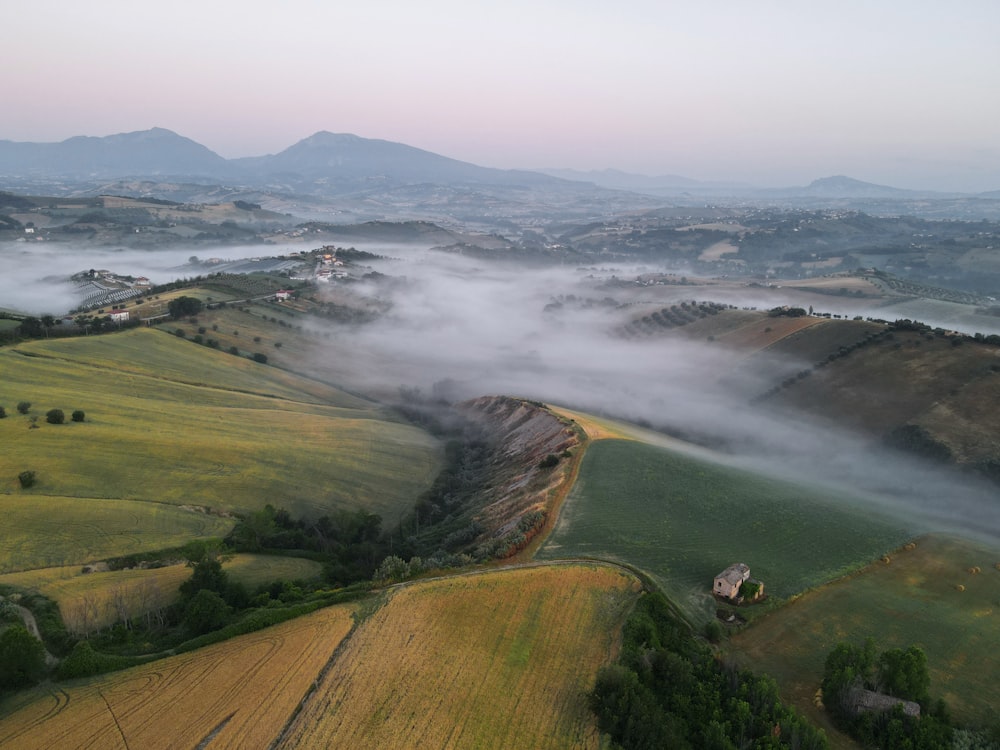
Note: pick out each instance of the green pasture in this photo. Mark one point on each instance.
(914, 599)
(49, 531)
(168, 359)
(682, 520)
(173, 422)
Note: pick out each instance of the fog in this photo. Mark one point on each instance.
(459, 328)
(34, 277)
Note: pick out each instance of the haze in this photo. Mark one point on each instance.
(771, 93)
(461, 329)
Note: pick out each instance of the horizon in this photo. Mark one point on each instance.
(775, 95)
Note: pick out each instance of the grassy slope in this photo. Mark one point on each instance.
(47, 531)
(245, 689)
(494, 660)
(914, 599)
(146, 589)
(683, 520)
(172, 422)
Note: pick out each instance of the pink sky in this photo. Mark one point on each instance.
(779, 92)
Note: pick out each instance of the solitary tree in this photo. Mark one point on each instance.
(23, 407)
(184, 306)
(27, 479)
(22, 658)
(55, 416)
(78, 415)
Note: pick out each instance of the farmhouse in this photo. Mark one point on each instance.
(728, 582)
(282, 294)
(119, 316)
(866, 701)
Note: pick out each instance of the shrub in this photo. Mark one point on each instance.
(549, 461)
(55, 416)
(23, 407)
(3, 413)
(27, 479)
(258, 357)
(78, 415)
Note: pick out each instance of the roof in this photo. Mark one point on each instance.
(735, 573)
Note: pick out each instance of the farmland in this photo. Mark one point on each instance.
(926, 596)
(499, 659)
(171, 422)
(86, 599)
(51, 531)
(238, 694)
(682, 520)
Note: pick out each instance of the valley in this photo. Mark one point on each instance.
(445, 463)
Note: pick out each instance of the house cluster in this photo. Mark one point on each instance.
(329, 266)
(735, 584)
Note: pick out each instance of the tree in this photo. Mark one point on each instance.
(258, 357)
(55, 416)
(184, 306)
(78, 415)
(3, 413)
(207, 611)
(27, 479)
(23, 407)
(22, 658)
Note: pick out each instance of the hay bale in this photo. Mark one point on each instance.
(909, 546)
(960, 587)
(886, 559)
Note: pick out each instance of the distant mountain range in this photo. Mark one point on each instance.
(394, 179)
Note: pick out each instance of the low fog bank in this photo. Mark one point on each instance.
(460, 328)
(34, 277)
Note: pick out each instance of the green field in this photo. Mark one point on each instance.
(171, 422)
(914, 599)
(45, 532)
(682, 520)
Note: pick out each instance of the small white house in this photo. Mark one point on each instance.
(282, 294)
(119, 316)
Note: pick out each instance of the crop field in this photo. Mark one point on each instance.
(682, 520)
(494, 660)
(245, 435)
(236, 694)
(927, 596)
(91, 600)
(51, 531)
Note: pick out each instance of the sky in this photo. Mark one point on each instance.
(771, 92)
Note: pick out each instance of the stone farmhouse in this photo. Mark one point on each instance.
(729, 583)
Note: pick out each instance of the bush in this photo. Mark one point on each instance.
(55, 416)
(23, 407)
(27, 479)
(78, 415)
(3, 413)
(258, 357)
(22, 658)
(549, 461)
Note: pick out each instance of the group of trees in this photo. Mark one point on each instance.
(669, 690)
(899, 673)
(52, 416)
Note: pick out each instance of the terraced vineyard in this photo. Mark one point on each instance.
(493, 660)
(236, 694)
(682, 520)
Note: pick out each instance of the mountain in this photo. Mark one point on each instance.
(155, 152)
(840, 186)
(345, 161)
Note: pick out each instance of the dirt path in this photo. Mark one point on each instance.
(32, 627)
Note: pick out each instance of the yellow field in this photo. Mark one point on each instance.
(173, 422)
(89, 601)
(500, 659)
(237, 694)
(50, 531)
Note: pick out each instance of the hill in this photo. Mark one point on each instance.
(171, 425)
